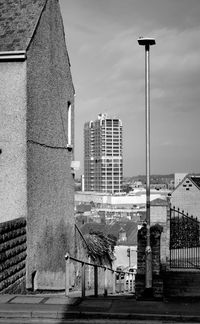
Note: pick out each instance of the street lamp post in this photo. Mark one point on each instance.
(147, 42)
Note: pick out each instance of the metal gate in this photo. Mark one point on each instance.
(184, 240)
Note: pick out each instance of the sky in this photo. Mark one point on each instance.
(107, 67)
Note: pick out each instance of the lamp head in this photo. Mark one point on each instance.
(146, 41)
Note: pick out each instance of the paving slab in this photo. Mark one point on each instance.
(60, 301)
(26, 300)
(44, 314)
(91, 309)
(14, 314)
(104, 304)
(6, 298)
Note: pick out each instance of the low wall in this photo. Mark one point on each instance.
(13, 256)
(181, 284)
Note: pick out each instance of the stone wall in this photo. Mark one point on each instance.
(157, 282)
(13, 256)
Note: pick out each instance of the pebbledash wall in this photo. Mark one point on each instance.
(36, 183)
(50, 182)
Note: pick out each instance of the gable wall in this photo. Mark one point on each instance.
(50, 183)
(187, 200)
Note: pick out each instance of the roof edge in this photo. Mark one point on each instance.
(180, 183)
(36, 25)
(190, 178)
(13, 56)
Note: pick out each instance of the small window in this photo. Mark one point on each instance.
(69, 125)
(187, 188)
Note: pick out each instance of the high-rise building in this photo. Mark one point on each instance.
(103, 162)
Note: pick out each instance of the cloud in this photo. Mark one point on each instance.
(175, 66)
(108, 73)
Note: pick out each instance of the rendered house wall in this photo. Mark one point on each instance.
(13, 176)
(50, 220)
(13, 141)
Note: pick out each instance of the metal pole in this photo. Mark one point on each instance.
(95, 281)
(114, 281)
(83, 279)
(67, 274)
(105, 281)
(147, 128)
(147, 42)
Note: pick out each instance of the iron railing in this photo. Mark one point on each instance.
(184, 240)
(124, 280)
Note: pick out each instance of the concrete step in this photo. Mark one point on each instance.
(82, 321)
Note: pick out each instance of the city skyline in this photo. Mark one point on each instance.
(107, 68)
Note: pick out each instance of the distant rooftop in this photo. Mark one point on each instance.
(128, 226)
(159, 202)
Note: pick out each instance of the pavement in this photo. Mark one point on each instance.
(59, 309)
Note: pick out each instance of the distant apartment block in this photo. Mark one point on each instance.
(103, 161)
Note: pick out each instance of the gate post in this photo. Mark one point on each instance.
(105, 281)
(167, 242)
(95, 280)
(157, 289)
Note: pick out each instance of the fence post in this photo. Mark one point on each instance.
(133, 282)
(114, 282)
(120, 282)
(67, 266)
(129, 282)
(124, 281)
(83, 279)
(95, 280)
(105, 281)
